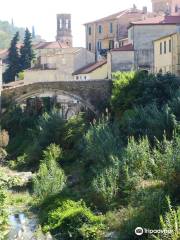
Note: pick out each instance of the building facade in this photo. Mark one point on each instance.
(170, 7)
(142, 35)
(166, 54)
(64, 32)
(59, 64)
(121, 59)
(112, 31)
(95, 71)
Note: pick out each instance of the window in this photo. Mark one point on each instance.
(99, 45)
(77, 78)
(164, 47)
(170, 48)
(161, 48)
(111, 44)
(100, 29)
(176, 8)
(85, 77)
(111, 27)
(89, 47)
(67, 23)
(89, 30)
(60, 23)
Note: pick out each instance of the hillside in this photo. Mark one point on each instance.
(7, 31)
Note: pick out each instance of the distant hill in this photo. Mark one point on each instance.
(7, 32)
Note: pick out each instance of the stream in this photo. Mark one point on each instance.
(23, 223)
(24, 226)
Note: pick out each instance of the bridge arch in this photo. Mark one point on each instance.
(92, 94)
(55, 92)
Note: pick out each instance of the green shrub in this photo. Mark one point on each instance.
(3, 215)
(170, 222)
(73, 220)
(148, 121)
(50, 178)
(21, 76)
(105, 186)
(19, 163)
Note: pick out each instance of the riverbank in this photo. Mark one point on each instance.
(22, 219)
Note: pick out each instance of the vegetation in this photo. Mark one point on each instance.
(19, 59)
(7, 31)
(107, 176)
(26, 51)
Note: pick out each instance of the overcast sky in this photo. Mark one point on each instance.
(42, 14)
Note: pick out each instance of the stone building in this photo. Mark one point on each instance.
(64, 33)
(141, 35)
(121, 59)
(170, 7)
(166, 54)
(58, 64)
(112, 31)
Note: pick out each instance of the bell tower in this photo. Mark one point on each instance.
(64, 33)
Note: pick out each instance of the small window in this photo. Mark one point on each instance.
(111, 27)
(164, 47)
(85, 77)
(77, 78)
(111, 44)
(100, 29)
(89, 47)
(60, 23)
(67, 23)
(161, 48)
(89, 30)
(170, 46)
(99, 45)
(176, 8)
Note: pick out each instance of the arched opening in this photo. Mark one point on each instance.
(68, 104)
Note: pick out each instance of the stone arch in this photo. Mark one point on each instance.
(55, 92)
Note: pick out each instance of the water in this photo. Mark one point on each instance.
(24, 226)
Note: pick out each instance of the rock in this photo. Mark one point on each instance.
(111, 236)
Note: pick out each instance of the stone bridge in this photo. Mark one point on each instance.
(93, 94)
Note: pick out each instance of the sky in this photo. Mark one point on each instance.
(42, 14)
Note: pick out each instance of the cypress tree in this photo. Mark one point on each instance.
(13, 61)
(26, 51)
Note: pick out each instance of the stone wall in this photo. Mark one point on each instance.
(120, 61)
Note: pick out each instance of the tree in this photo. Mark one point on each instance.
(26, 51)
(13, 60)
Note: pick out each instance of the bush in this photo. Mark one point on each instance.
(140, 89)
(73, 220)
(50, 179)
(105, 186)
(149, 121)
(171, 223)
(3, 215)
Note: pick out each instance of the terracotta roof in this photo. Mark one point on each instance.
(116, 15)
(89, 68)
(128, 47)
(52, 45)
(158, 20)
